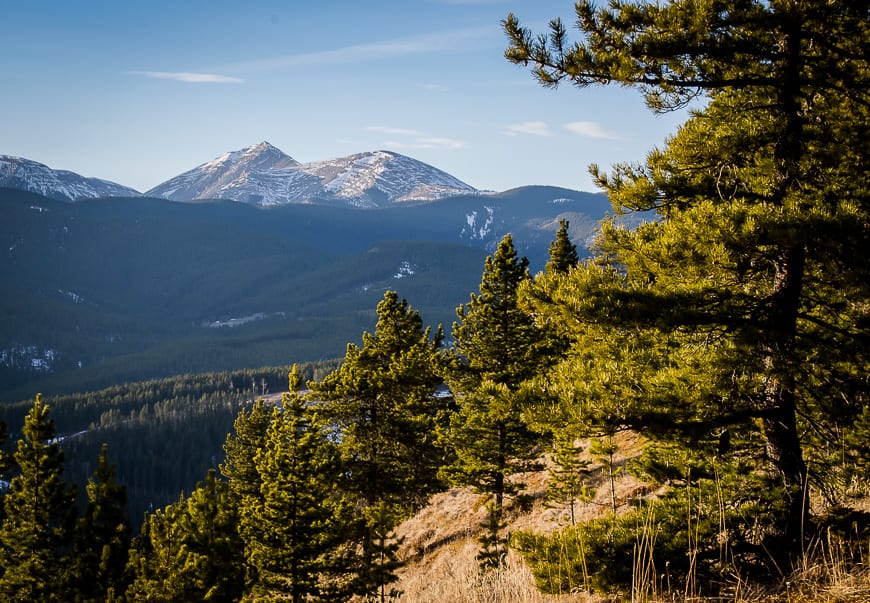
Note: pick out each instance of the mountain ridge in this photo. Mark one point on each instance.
(28, 175)
(261, 175)
(265, 176)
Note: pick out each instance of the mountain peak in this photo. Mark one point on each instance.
(263, 175)
(209, 180)
(264, 146)
(63, 185)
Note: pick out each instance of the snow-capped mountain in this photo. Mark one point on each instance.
(263, 175)
(28, 175)
(209, 180)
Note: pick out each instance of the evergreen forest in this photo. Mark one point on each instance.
(728, 331)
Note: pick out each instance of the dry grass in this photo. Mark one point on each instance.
(440, 544)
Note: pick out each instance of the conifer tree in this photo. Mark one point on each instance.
(240, 448)
(383, 405)
(568, 478)
(240, 468)
(214, 550)
(190, 550)
(40, 514)
(498, 349)
(7, 463)
(738, 310)
(102, 537)
(156, 560)
(380, 550)
(290, 535)
(382, 402)
(563, 253)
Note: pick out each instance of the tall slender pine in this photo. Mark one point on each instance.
(40, 515)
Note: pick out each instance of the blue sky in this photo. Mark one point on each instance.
(137, 92)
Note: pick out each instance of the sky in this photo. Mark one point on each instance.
(138, 92)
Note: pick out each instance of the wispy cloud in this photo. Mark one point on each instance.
(591, 129)
(192, 78)
(433, 87)
(394, 131)
(416, 139)
(427, 142)
(533, 128)
(455, 40)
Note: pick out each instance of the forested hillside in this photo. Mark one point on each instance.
(162, 435)
(105, 291)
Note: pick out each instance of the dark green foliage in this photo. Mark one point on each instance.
(382, 402)
(102, 536)
(732, 322)
(156, 558)
(240, 466)
(380, 548)
(569, 476)
(497, 340)
(593, 556)
(563, 253)
(190, 551)
(164, 435)
(383, 405)
(241, 446)
(299, 519)
(39, 516)
(689, 540)
(215, 551)
(498, 348)
(858, 442)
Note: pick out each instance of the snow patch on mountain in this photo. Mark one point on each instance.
(263, 175)
(212, 180)
(28, 357)
(237, 322)
(406, 269)
(476, 230)
(78, 299)
(62, 185)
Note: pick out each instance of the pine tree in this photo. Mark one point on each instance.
(382, 401)
(738, 308)
(156, 560)
(102, 536)
(39, 518)
(498, 349)
(240, 467)
(290, 534)
(563, 253)
(7, 464)
(190, 551)
(241, 448)
(214, 552)
(567, 483)
(381, 550)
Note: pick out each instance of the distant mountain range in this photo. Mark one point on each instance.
(99, 292)
(31, 176)
(261, 175)
(287, 262)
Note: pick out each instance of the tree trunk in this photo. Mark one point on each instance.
(780, 431)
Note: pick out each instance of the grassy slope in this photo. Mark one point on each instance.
(440, 544)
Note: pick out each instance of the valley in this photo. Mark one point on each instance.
(103, 291)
